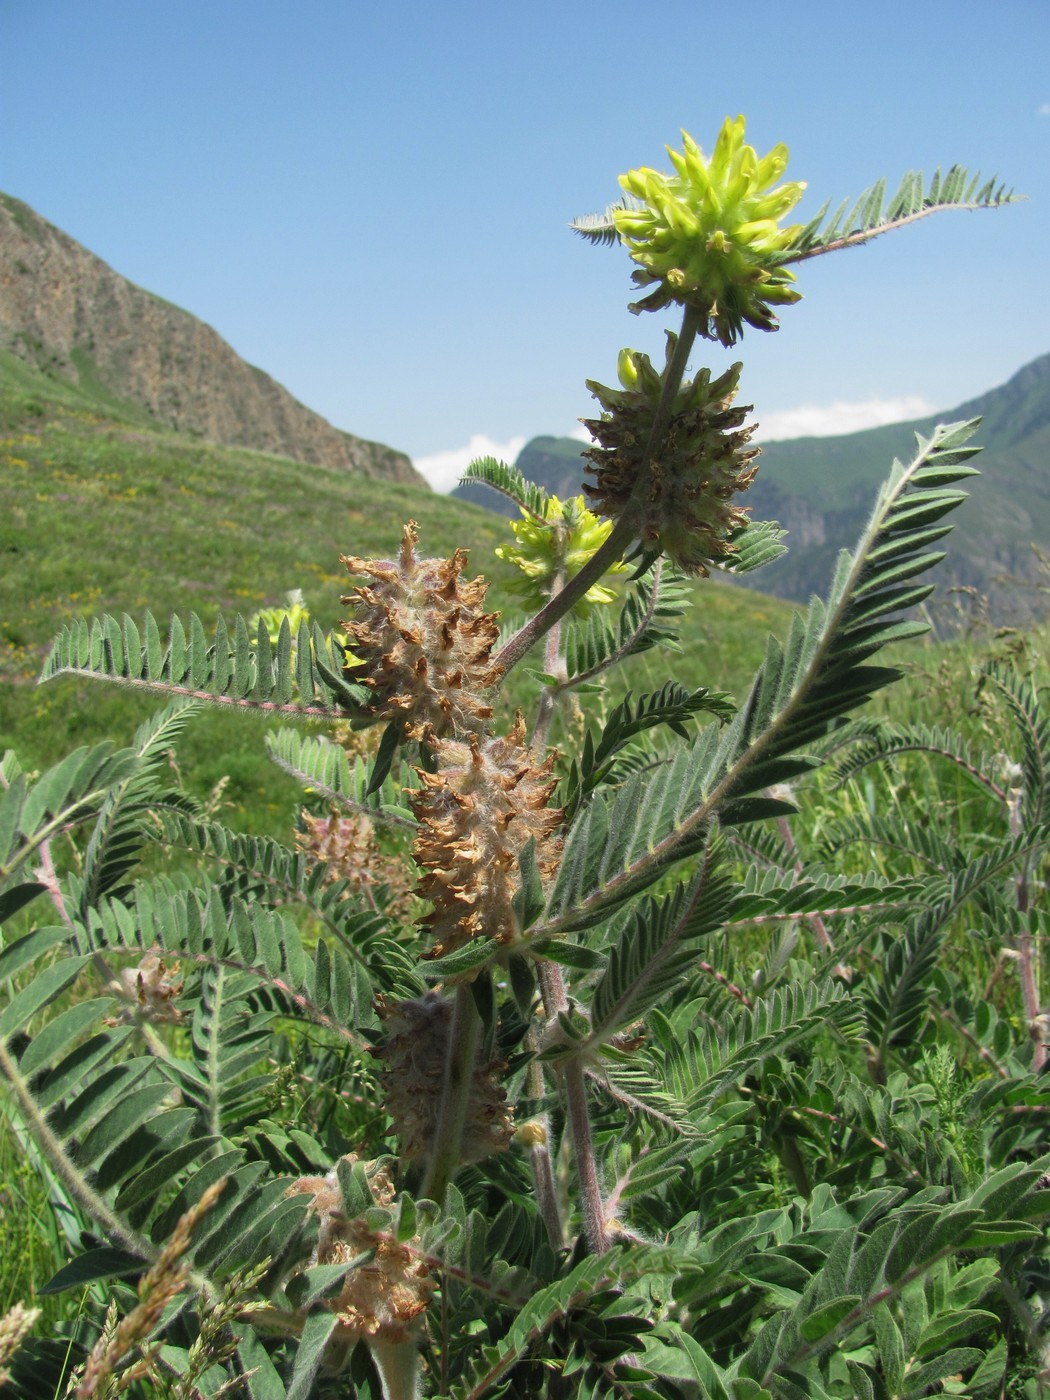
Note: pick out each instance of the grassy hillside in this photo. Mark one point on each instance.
(100, 512)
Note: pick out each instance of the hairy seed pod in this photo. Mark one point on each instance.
(421, 640)
(415, 1050)
(381, 1299)
(477, 813)
(704, 460)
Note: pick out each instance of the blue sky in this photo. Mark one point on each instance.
(371, 201)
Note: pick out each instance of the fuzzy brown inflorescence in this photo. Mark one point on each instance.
(703, 461)
(422, 641)
(149, 992)
(380, 1300)
(415, 1051)
(346, 846)
(476, 815)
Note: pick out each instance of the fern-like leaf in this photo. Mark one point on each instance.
(756, 544)
(1033, 723)
(326, 768)
(304, 678)
(888, 741)
(66, 795)
(671, 705)
(870, 215)
(622, 842)
(896, 1004)
(600, 228)
(119, 832)
(509, 482)
(648, 618)
(656, 946)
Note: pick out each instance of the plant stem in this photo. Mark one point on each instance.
(540, 1154)
(460, 1063)
(592, 1204)
(398, 1367)
(554, 666)
(623, 532)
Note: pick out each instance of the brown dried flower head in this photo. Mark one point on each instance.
(150, 990)
(422, 640)
(477, 813)
(346, 846)
(688, 511)
(415, 1051)
(381, 1299)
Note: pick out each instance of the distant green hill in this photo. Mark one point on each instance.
(821, 489)
(103, 511)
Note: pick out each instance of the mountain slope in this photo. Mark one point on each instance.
(822, 490)
(66, 312)
(102, 514)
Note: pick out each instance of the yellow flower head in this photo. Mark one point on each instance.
(559, 544)
(710, 236)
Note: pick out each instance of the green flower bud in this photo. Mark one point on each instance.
(560, 545)
(709, 235)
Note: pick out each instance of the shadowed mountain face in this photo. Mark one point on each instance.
(66, 312)
(822, 491)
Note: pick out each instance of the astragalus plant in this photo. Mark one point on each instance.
(536, 1065)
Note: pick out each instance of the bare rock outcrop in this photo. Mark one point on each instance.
(65, 311)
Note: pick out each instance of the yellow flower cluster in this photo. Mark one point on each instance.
(709, 235)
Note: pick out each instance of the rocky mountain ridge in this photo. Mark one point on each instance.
(63, 310)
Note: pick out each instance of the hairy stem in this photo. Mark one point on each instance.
(540, 1153)
(398, 1367)
(553, 665)
(455, 1095)
(592, 1204)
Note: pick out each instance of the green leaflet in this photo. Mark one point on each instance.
(870, 215)
(509, 482)
(240, 670)
(622, 842)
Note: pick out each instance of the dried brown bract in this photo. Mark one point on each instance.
(477, 813)
(415, 1053)
(381, 1298)
(422, 640)
(705, 459)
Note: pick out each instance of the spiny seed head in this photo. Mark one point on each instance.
(709, 235)
(688, 512)
(415, 1052)
(421, 640)
(477, 813)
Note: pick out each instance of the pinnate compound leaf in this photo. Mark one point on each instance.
(621, 842)
(238, 670)
(871, 215)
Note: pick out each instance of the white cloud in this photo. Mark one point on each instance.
(444, 469)
(1044, 109)
(828, 420)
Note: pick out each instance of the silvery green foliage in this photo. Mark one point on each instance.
(816, 1153)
